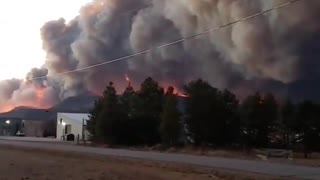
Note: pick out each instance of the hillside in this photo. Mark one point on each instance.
(77, 104)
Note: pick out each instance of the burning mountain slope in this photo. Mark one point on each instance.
(27, 113)
(273, 52)
(77, 104)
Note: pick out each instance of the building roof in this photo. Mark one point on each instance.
(75, 116)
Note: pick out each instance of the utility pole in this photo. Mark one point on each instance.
(83, 132)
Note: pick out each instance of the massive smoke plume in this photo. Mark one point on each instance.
(277, 52)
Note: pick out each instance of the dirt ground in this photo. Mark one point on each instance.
(24, 164)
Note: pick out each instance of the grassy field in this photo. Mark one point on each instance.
(23, 164)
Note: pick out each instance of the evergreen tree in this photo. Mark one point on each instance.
(288, 123)
(170, 119)
(230, 116)
(308, 126)
(211, 117)
(201, 111)
(107, 124)
(127, 133)
(126, 100)
(258, 115)
(146, 110)
(93, 118)
(250, 111)
(269, 117)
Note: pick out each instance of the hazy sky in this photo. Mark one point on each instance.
(20, 23)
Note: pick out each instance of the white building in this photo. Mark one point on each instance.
(72, 123)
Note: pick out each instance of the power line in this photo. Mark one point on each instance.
(173, 42)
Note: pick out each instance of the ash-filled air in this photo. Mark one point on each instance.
(277, 52)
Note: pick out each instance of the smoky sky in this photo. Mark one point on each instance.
(276, 52)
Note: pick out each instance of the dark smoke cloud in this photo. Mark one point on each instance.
(277, 52)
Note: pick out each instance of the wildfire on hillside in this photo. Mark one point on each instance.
(6, 108)
(178, 91)
(36, 99)
(38, 96)
(234, 58)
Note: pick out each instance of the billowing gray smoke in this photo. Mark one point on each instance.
(275, 52)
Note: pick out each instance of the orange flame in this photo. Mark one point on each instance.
(38, 102)
(177, 91)
(182, 95)
(6, 108)
(127, 77)
(40, 95)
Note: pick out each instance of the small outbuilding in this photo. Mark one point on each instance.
(72, 124)
(33, 128)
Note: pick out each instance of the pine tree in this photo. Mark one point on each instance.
(108, 119)
(170, 119)
(259, 115)
(127, 132)
(93, 118)
(250, 116)
(308, 126)
(201, 112)
(126, 99)
(230, 117)
(146, 110)
(288, 122)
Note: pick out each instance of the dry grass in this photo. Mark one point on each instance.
(313, 160)
(216, 153)
(34, 164)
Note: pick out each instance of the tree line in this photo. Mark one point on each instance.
(206, 117)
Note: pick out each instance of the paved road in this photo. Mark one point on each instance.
(29, 139)
(272, 169)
